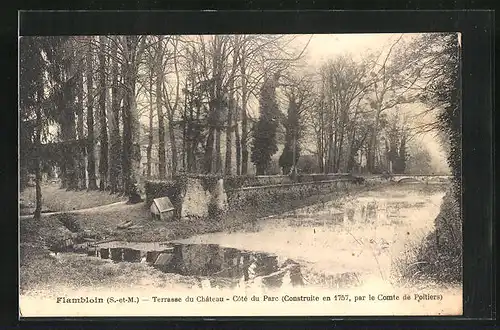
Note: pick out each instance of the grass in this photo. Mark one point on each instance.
(435, 256)
(57, 199)
(39, 270)
(406, 264)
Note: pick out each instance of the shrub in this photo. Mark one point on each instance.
(439, 256)
(441, 251)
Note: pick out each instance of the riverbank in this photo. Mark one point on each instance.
(43, 272)
(55, 199)
(101, 223)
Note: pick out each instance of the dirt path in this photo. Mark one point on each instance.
(102, 208)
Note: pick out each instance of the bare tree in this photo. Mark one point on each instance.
(92, 185)
(114, 124)
(299, 95)
(260, 55)
(103, 129)
(133, 48)
(82, 177)
(232, 104)
(172, 98)
(393, 76)
(159, 111)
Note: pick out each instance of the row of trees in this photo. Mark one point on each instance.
(79, 94)
(364, 114)
(197, 93)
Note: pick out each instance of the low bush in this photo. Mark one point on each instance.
(438, 257)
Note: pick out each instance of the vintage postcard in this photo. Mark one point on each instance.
(240, 175)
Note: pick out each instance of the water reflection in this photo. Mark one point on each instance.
(369, 211)
(206, 260)
(333, 244)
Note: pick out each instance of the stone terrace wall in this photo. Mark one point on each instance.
(191, 195)
(249, 197)
(245, 192)
(236, 182)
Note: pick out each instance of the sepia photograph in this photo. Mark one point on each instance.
(240, 175)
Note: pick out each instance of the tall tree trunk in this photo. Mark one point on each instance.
(320, 141)
(38, 146)
(340, 150)
(352, 152)
(82, 177)
(237, 141)
(92, 185)
(319, 148)
(209, 147)
(131, 128)
(335, 145)
(171, 110)
(370, 161)
(231, 110)
(244, 119)
(103, 133)
(195, 139)
(218, 156)
(330, 150)
(229, 146)
(126, 142)
(68, 133)
(150, 133)
(114, 130)
(187, 120)
(401, 157)
(173, 144)
(244, 141)
(161, 123)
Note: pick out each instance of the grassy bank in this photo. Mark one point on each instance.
(56, 199)
(43, 272)
(436, 256)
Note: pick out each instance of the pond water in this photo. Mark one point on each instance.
(335, 244)
(217, 265)
(356, 237)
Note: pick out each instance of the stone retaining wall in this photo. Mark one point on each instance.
(248, 197)
(205, 195)
(200, 196)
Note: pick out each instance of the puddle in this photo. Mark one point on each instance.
(221, 266)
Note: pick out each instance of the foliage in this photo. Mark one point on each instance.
(307, 164)
(264, 138)
(419, 160)
(239, 181)
(30, 82)
(292, 146)
(441, 254)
